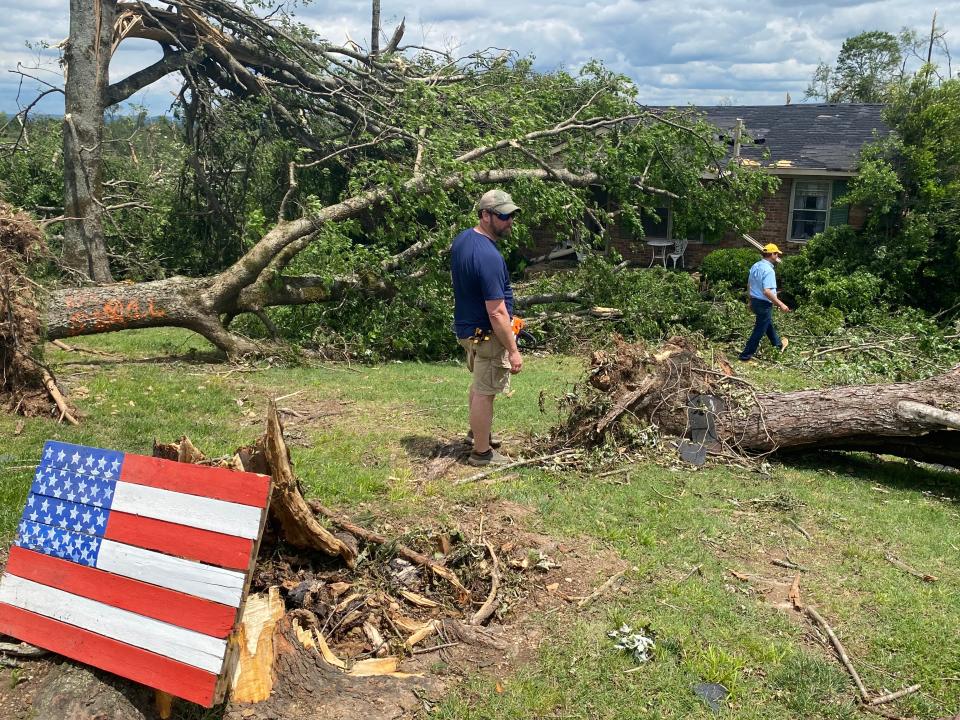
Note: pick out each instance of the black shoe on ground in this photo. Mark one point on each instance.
(495, 442)
(490, 457)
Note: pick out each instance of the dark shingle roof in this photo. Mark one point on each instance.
(809, 137)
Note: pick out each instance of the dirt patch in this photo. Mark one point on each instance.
(536, 573)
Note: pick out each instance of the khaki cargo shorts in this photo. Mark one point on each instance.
(489, 362)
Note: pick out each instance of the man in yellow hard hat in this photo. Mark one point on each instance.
(762, 294)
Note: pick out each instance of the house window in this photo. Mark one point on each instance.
(809, 210)
(656, 228)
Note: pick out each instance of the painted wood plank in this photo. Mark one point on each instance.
(199, 512)
(185, 646)
(133, 663)
(138, 597)
(172, 539)
(228, 485)
(205, 581)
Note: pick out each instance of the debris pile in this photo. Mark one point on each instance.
(25, 385)
(633, 388)
(386, 596)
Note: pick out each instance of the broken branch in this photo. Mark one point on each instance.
(490, 606)
(909, 570)
(838, 646)
(894, 695)
(602, 589)
(519, 463)
(401, 550)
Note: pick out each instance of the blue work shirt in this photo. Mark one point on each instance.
(762, 276)
(479, 274)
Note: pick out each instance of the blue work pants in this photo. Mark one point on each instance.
(763, 309)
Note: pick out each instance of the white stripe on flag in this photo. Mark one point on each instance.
(206, 581)
(177, 643)
(200, 512)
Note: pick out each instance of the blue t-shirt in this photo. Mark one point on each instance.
(479, 274)
(762, 276)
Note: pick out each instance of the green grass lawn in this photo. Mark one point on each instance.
(359, 434)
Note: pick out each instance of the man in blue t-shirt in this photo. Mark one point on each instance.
(762, 294)
(483, 316)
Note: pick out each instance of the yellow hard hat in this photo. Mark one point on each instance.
(770, 249)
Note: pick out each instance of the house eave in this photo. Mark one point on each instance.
(807, 172)
(793, 172)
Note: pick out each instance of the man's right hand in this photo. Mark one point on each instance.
(516, 362)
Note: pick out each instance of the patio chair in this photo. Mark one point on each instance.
(679, 248)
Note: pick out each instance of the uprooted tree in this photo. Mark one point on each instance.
(385, 153)
(661, 387)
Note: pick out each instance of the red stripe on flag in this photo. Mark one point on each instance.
(170, 606)
(230, 485)
(206, 546)
(141, 666)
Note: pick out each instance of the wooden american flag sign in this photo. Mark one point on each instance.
(135, 565)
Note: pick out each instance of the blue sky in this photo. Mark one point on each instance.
(744, 52)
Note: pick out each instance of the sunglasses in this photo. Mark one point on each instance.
(502, 216)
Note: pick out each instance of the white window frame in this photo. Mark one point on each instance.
(793, 197)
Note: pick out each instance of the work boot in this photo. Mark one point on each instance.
(783, 344)
(490, 457)
(495, 441)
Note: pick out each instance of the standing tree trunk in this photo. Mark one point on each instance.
(375, 29)
(87, 77)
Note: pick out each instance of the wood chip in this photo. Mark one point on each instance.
(376, 666)
(346, 601)
(338, 588)
(794, 594)
(327, 653)
(423, 633)
(418, 600)
(406, 624)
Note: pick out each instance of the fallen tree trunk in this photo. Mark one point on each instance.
(660, 388)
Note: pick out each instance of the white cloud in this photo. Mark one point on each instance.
(745, 51)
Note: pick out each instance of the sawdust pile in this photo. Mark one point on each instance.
(21, 375)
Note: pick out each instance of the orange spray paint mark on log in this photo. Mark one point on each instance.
(115, 314)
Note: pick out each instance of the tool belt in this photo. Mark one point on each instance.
(481, 334)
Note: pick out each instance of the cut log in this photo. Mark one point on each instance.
(912, 420)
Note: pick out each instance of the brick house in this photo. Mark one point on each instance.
(813, 149)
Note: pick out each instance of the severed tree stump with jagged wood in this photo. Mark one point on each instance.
(918, 420)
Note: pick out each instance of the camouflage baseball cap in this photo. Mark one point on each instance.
(498, 201)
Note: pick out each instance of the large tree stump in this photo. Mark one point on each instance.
(306, 686)
(913, 420)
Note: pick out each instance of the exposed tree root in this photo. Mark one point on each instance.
(634, 387)
(26, 386)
